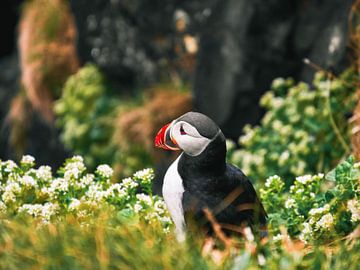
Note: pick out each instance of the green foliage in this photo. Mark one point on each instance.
(86, 115)
(316, 208)
(80, 220)
(302, 129)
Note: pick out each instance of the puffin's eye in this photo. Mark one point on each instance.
(182, 131)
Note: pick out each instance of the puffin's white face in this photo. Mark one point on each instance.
(188, 138)
(192, 133)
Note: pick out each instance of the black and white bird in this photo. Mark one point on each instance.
(201, 179)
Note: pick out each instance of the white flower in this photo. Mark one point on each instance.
(325, 222)
(27, 160)
(59, 184)
(85, 181)
(137, 207)
(45, 211)
(74, 205)
(160, 207)
(10, 166)
(95, 193)
(290, 203)
(48, 192)
(354, 207)
(283, 158)
(146, 175)
(28, 181)
(305, 179)
(74, 168)
(11, 190)
(104, 170)
(271, 180)
(129, 183)
(306, 232)
(116, 190)
(44, 173)
(320, 210)
(145, 199)
(280, 237)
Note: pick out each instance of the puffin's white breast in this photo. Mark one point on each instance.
(173, 190)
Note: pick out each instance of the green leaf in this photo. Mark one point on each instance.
(331, 176)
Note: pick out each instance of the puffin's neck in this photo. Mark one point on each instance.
(212, 161)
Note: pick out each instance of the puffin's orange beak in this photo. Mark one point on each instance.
(164, 140)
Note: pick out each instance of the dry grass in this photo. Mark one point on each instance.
(47, 51)
(140, 125)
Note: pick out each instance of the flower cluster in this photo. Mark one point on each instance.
(296, 131)
(36, 192)
(316, 207)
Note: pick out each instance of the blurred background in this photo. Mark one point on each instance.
(99, 78)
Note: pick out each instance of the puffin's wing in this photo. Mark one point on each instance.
(243, 195)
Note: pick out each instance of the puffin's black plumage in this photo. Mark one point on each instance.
(223, 188)
(207, 181)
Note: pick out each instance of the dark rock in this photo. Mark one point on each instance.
(246, 44)
(9, 87)
(41, 139)
(134, 41)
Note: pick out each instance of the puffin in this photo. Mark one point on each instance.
(201, 179)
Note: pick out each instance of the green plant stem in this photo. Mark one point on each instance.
(332, 121)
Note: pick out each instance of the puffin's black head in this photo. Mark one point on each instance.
(191, 132)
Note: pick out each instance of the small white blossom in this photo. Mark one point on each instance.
(96, 193)
(10, 166)
(44, 173)
(306, 232)
(137, 207)
(60, 184)
(86, 180)
(284, 158)
(28, 181)
(290, 203)
(145, 175)
(305, 179)
(116, 190)
(160, 207)
(145, 199)
(320, 210)
(10, 192)
(325, 222)
(280, 237)
(74, 169)
(27, 160)
(271, 180)
(104, 170)
(74, 205)
(44, 211)
(129, 183)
